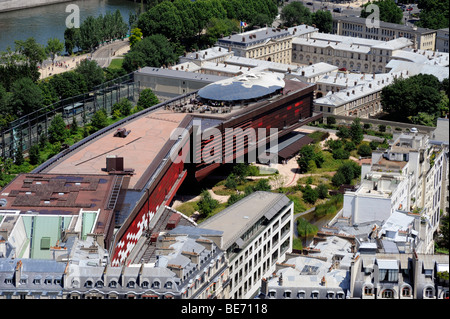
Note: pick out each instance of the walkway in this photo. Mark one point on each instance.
(103, 55)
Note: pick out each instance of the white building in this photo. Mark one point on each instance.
(406, 177)
(257, 233)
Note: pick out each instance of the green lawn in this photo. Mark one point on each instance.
(116, 63)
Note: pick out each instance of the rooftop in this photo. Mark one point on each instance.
(148, 135)
(236, 219)
(254, 37)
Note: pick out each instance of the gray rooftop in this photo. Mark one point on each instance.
(238, 218)
(254, 37)
(399, 27)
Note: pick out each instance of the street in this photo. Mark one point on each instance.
(351, 9)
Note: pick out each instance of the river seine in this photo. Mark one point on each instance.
(49, 21)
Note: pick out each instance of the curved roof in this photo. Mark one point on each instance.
(244, 87)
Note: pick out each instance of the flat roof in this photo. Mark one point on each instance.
(234, 220)
(255, 36)
(148, 135)
(399, 27)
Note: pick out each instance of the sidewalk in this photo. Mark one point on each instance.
(68, 63)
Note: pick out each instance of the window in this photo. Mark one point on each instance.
(131, 284)
(406, 292)
(88, 283)
(368, 291)
(315, 295)
(113, 284)
(144, 284)
(169, 285)
(156, 284)
(301, 295)
(287, 294)
(388, 275)
(429, 292)
(388, 293)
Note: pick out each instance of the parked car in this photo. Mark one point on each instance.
(343, 69)
(309, 3)
(337, 10)
(409, 9)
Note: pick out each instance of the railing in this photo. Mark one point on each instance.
(27, 130)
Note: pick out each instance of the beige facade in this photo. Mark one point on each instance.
(266, 44)
(422, 38)
(368, 57)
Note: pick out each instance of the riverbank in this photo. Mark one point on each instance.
(11, 5)
(103, 55)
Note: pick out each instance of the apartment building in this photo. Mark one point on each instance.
(398, 276)
(339, 266)
(421, 38)
(442, 40)
(356, 95)
(361, 55)
(405, 177)
(270, 44)
(257, 234)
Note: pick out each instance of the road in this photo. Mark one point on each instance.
(351, 9)
(103, 55)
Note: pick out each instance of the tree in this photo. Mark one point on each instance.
(123, 107)
(218, 28)
(323, 21)
(68, 84)
(322, 191)
(433, 14)
(207, 204)
(154, 50)
(340, 153)
(136, 36)
(262, 185)
(34, 154)
(146, 99)
(295, 13)
(89, 34)
(230, 182)
(33, 51)
(399, 99)
(389, 11)
(54, 47)
(356, 131)
(338, 179)
(92, 73)
(310, 195)
(365, 150)
(305, 155)
(99, 120)
(26, 96)
(70, 39)
(57, 130)
(163, 19)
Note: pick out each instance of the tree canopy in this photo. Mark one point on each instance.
(400, 99)
(295, 13)
(155, 50)
(389, 11)
(433, 14)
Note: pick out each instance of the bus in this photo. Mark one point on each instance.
(73, 110)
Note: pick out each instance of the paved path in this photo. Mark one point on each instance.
(103, 55)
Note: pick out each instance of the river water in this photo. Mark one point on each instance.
(49, 21)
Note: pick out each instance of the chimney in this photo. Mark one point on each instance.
(114, 163)
(18, 273)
